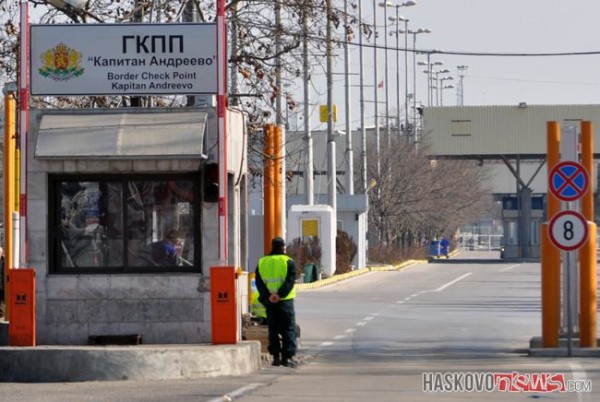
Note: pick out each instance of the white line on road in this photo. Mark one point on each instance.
(400, 302)
(368, 318)
(338, 337)
(350, 330)
(326, 344)
(578, 374)
(452, 282)
(509, 267)
(361, 324)
(238, 392)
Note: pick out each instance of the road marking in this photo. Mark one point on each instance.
(452, 282)
(324, 344)
(578, 374)
(509, 267)
(238, 392)
(350, 330)
(361, 324)
(374, 314)
(368, 318)
(400, 302)
(338, 337)
(407, 298)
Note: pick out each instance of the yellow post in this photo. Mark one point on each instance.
(278, 184)
(550, 255)
(268, 181)
(587, 254)
(10, 111)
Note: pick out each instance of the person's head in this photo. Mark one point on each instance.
(172, 236)
(278, 245)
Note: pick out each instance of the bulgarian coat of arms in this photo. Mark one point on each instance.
(61, 63)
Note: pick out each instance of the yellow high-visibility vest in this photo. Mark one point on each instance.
(256, 307)
(273, 270)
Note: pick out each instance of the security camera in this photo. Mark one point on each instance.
(266, 114)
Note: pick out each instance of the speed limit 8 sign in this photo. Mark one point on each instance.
(568, 230)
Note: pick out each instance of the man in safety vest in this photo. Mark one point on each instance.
(275, 278)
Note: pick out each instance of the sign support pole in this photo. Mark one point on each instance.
(569, 181)
(569, 153)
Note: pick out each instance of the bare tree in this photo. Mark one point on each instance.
(417, 197)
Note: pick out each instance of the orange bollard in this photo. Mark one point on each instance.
(587, 254)
(278, 183)
(223, 306)
(268, 186)
(21, 327)
(550, 255)
(550, 261)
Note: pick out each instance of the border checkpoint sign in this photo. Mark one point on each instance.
(568, 181)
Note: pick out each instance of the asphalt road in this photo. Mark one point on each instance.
(384, 336)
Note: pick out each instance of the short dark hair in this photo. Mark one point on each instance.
(278, 242)
(172, 234)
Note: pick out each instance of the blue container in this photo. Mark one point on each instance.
(434, 248)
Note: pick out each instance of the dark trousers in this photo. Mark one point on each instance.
(281, 320)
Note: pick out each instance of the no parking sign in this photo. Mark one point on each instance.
(568, 181)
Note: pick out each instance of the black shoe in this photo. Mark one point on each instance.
(276, 361)
(289, 362)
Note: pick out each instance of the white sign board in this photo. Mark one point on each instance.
(123, 59)
(568, 230)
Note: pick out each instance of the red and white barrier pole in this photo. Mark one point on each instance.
(222, 129)
(23, 125)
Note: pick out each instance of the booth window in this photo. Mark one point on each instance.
(124, 224)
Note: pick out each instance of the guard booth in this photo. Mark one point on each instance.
(105, 186)
(531, 217)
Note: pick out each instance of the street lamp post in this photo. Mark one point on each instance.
(399, 18)
(363, 129)
(461, 70)
(437, 84)
(387, 4)
(414, 95)
(386, 76)
(376, 95)
(429, 64)
(442, 87)
(450, 86)
(435, 75)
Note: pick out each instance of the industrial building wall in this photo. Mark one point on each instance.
(499, 130)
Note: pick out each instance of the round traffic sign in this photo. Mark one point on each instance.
(568, 230)
(568, 181)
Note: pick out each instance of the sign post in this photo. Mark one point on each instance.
(569, 181)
